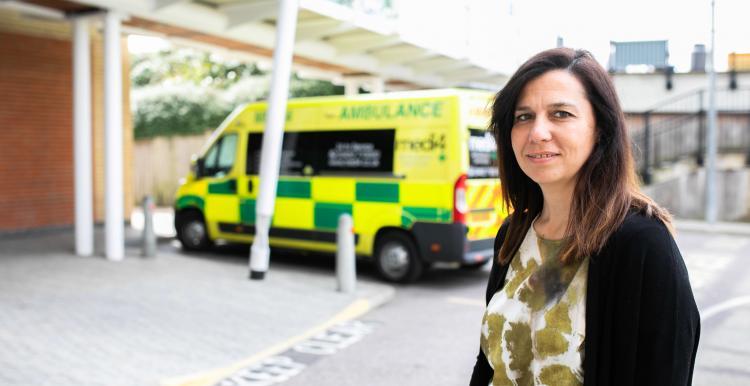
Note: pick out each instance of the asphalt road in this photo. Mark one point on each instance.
(429, 333)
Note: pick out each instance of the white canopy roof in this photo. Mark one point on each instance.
(332, 39)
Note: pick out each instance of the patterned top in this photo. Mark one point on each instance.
(534, 327)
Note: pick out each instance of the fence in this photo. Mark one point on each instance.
(160, 162)
(676, 129)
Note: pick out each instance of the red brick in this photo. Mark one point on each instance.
(36, 142)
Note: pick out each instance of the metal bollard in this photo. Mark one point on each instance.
(149, 237)
(346, 268)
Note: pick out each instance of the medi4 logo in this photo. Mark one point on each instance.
(428, 144)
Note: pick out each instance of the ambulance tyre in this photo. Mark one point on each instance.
(397, 259)
(192, 231)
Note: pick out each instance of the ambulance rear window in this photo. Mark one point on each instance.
(483, 161)
(350, 152)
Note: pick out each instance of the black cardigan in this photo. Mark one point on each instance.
(642, 324)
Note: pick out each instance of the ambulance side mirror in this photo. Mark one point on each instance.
(200, 165)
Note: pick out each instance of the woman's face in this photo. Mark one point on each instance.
(553, 130)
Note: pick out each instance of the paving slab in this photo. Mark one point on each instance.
(69, 320)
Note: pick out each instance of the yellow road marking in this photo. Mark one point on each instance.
(354, 310)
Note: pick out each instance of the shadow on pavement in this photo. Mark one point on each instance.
(239, 254)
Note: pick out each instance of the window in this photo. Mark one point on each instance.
(220, 157)
(483, 161)
(329, 153)
(227, 153)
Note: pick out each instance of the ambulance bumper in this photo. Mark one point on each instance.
(447, 243)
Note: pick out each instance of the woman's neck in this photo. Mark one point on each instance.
(553, 220)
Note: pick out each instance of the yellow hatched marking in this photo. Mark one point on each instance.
(486, 232)
(483, 194)
(477, 197)
(484, 225)
(477, 232)
(493, 196)
(480, 217)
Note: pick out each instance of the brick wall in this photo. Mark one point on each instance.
(36, 125)
(36, 144)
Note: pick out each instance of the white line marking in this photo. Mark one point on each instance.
(723, 306)
(465, 301)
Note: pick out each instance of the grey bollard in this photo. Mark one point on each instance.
(149, 237)
(346, 268)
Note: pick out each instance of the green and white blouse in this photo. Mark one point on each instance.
(534, 327)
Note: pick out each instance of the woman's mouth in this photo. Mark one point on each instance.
(541, 157)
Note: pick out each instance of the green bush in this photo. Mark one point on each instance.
(312, 87)
(177, 110)
(250, 89)
(183, 92)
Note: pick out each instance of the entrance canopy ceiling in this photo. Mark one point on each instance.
(331, 38)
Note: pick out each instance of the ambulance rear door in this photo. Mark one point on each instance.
(485, 210)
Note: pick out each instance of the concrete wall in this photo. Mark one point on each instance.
(36, 124)
(684, 194)
(640, 92)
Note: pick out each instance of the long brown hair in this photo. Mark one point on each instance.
(606, 185)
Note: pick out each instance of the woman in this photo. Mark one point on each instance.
(588, 286)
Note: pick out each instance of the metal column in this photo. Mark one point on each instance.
(646, 166)
(273, 135)
(84, 211)
(711, 145)
(113, 141)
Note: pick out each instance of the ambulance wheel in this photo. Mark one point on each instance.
(192, 231)
(397, 259)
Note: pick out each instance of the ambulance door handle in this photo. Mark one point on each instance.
(249, 186)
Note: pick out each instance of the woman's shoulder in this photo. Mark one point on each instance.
(639, 225)
(644, 240)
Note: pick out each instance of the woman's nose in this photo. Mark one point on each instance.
(540, 131)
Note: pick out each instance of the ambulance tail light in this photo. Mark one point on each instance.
(459, 200)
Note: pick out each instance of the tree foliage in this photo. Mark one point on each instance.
(183, 91)
(177, 110)
(189, 66)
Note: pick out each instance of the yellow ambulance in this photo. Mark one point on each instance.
(416, 170)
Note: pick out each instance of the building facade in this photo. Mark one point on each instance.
(36, 114)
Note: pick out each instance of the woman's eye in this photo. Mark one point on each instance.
(562, 114)
(522, 117)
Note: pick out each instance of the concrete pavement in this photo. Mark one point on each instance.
(726, 228)
(173, 319)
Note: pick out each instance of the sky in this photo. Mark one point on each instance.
(501, 34)
(516, 29)
(593, 24)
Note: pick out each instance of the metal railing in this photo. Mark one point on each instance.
(676, 128)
